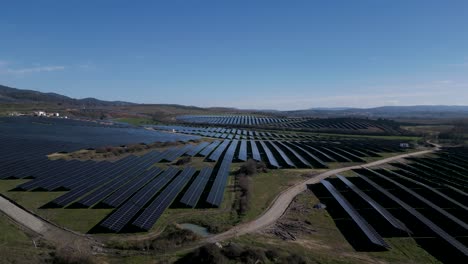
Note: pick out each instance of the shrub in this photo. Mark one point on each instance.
(209, 254)
(184, 160)
(71, 256)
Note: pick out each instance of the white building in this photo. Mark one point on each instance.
(40, 113)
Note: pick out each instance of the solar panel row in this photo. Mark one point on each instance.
(118, 181)
(121, 195)
(215, 197)
(431, 225)
(193, 193)
(151, 214)
(124, 214)
(368, 230)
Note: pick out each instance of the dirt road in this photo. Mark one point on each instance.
(58, 236)
(66, 237)
(281, 203)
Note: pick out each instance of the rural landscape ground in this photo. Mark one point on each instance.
(133, 183)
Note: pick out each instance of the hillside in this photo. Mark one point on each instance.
(417, 111)
(14, 95)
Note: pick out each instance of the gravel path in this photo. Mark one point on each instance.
(58, 236)
(281, 203)
(64, 237)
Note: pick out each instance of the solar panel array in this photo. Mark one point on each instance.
(124, 214)
(316, 124)
(370, 232)
(215, 197)
(193, 193)
(151, 214)
(429, 193)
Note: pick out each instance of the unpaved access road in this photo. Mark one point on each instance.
(58, 236)
(64, 237)
(281, 203)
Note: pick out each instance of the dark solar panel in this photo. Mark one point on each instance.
(193, 193)
(382, 211)
(271, 158)
(242, 151)
(152, 213)
(215, 197)
(255, 153)
(368, 230)
(121, 195)
(122, 215)
(439, 231)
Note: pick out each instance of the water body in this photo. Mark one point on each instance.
(199, 230)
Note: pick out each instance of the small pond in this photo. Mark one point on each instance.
(199, 230)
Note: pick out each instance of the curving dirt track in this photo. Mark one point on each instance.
(281, 203)
(58, 236)
(65, 237)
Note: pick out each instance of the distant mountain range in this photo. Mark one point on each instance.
(417, 111)
(14, 95)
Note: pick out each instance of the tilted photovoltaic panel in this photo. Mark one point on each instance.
(193, 193)
(151, 214)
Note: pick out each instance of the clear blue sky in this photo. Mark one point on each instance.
(248, 54)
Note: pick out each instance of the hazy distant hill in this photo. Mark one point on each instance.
(417, 111)
(13, 95)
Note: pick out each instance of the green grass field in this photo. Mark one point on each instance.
(18, 247)
(136, 121)
(326, 244)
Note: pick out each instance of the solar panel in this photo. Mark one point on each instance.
(297, 155)
(427, 187)
(282, 154)
(368, 230)
(382, 211)
(424, 200)
(122, 215)
(255, 153)
(152, 213)
(242, 151)
(215, 197)
(176, 153)
(116, 183)
(271, 158)
(193, 193)
(439, 231)
(317, 161)
(219, 151)
(209, 148)
(194, 151)
(121, 195)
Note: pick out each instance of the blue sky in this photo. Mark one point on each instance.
(247, 54)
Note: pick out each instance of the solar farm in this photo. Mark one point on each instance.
(420, 197)
(423, 198)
